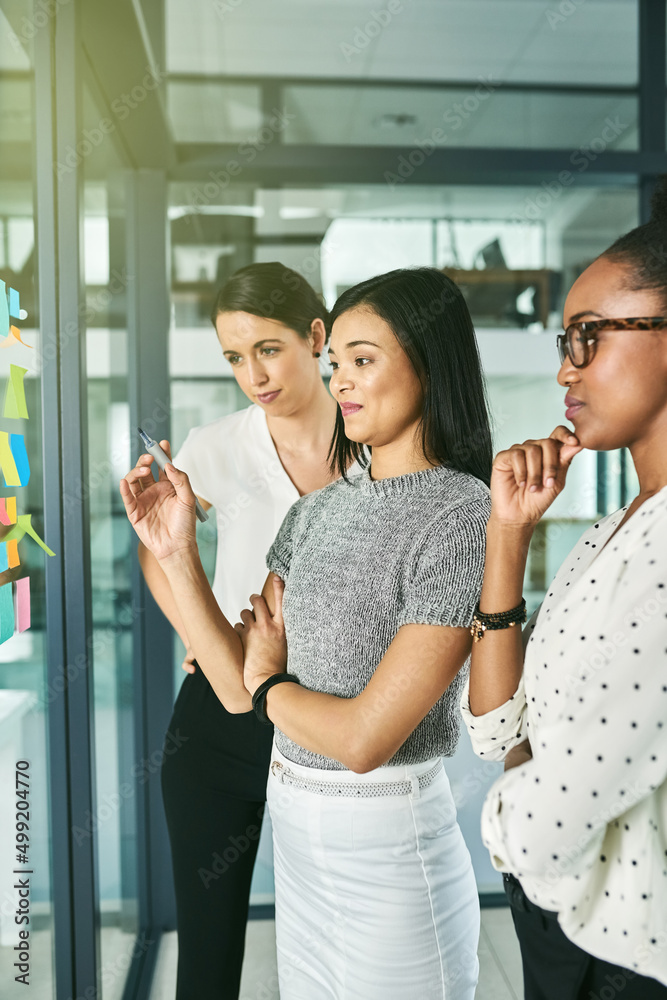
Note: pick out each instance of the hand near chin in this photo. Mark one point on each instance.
(527, 478)
(263, 638)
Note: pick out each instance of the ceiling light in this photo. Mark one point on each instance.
(399, 120)
(299, 212)
(179, 211)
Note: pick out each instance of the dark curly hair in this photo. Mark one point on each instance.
(643, 251)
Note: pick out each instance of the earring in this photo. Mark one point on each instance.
(316, 354)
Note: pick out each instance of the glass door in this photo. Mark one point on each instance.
(26, 916)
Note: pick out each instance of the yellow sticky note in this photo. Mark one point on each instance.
(13, 553)
(7, 463)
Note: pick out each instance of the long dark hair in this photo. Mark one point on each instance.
(429, 317)
(272, 291)
(644, 249)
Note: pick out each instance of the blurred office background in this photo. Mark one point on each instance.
(149, 148)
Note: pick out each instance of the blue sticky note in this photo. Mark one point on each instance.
(4, 311)
(17, 445)
(6, 613)
(14, 304)
(4, 561)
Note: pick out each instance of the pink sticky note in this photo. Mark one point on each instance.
(8, 510)
(22, 604)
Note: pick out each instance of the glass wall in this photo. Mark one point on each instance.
(119, 773)
(25, 830)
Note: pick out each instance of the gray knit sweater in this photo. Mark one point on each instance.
(362, 558)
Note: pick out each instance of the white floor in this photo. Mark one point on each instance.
(500, 962)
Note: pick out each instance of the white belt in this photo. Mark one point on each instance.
(366, 789)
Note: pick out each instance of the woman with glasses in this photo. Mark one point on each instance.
(375, 894)
(578, 711)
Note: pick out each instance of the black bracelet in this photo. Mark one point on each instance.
(482, 623)
(259, 697)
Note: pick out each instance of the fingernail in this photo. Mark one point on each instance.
(522, 483)
(533, 489)
(550, 481)
(572, 437)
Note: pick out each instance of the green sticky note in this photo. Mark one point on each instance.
(23, 527)
(6, 613)
(15, 405)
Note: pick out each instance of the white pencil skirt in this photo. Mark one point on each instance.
(375, 894)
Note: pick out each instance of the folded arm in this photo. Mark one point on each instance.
(363, 732)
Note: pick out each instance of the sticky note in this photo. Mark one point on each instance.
(14, 304)
(6, 613)
(15, 405)
(7, 510)
(4, 310)
(17, 445)
(23, 527)
(14, 338)
(7, 463)
(13, 553)
(22, 604)
(4, 559)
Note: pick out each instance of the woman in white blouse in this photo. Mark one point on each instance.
(578, 822)
(250, 467)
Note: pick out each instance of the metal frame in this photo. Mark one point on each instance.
(59, 778)
(275, 84)
(299, 165)
(148, 379)
(75, 522)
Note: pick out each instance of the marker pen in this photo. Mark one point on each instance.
(154, 449)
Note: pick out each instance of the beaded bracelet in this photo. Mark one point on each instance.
(482, 623)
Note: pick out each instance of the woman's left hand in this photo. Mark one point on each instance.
(263, 638)
(520, 754)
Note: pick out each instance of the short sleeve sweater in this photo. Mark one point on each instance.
(362, 558)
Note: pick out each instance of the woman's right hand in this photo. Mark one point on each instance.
(188, 663)
(527, 478)
(161, 512)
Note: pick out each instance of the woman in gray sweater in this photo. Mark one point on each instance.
(375, 894)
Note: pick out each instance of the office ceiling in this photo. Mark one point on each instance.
(511, 40)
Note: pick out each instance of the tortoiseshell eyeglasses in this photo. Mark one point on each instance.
(579, 340)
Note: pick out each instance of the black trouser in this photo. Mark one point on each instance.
(213, 788)
(556, 969)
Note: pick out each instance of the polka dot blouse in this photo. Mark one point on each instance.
(583, 825)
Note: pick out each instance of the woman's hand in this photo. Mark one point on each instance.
(162, 513)
(528, 477)
(520, 754)
(263, 638)
(188, 662)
